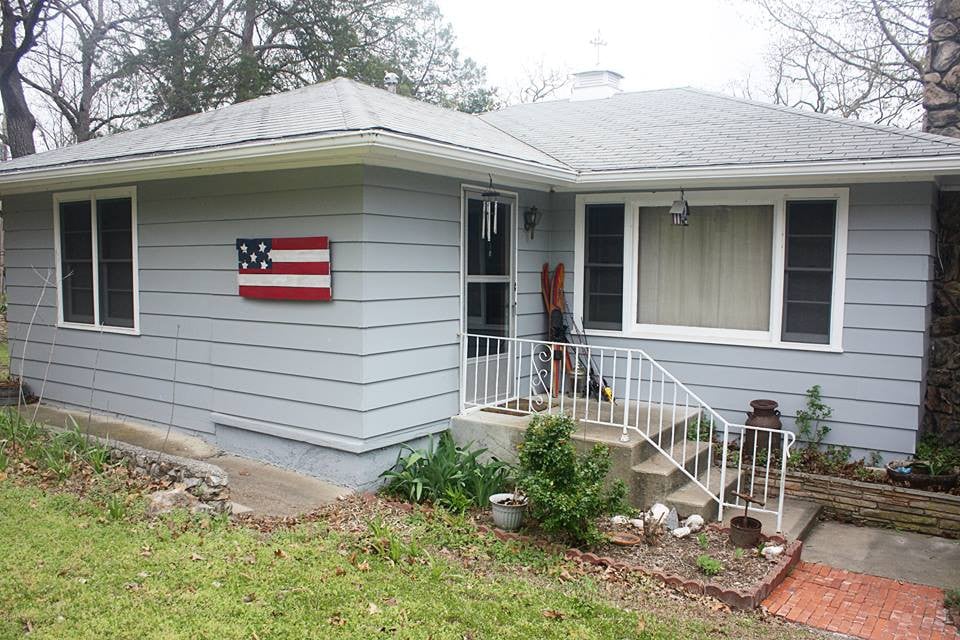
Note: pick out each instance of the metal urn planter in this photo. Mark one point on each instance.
(744, 530)
(508, 510)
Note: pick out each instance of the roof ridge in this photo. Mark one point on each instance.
(852, 122)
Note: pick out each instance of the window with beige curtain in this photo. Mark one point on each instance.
(714, 273)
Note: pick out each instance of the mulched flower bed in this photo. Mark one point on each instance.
(678, 556)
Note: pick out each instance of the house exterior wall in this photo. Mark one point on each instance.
(295, 367)
(332, 389)
(876, 385)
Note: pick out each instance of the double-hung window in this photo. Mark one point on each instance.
(760, 267)
(96, 253)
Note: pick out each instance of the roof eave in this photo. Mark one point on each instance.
(373, 146)
(784, 173)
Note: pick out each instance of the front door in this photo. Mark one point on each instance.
(489, 241)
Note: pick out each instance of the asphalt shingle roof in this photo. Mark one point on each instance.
(339, 105)
(690, 128)
(667, 128)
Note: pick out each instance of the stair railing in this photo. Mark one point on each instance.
(627, 389)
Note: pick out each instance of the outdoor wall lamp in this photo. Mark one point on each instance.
(531, 218)
(680, 210)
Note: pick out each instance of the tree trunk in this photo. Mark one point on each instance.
(247, 85)
(20, 123)
(941, 82)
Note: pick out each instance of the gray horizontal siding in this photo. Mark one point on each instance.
(876, 385)
(411, 343)
(291, 364)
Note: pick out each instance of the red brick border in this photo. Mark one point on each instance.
(735, 598)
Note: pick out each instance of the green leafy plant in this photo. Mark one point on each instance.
(941, 458)
(951, 599)
(809, 420)
(446, 475)
(116, 507)
(567, 490)
(874, 459)
(703, 541)
(699, 429)
(386, 543)
(709, 566)
(738, 553)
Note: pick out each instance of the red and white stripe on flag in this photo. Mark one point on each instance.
(284, 268)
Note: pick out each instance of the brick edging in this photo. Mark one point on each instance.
(735, 598)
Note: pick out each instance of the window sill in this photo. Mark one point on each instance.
(718, 340)
(128, 331)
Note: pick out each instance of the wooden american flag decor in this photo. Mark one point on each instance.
(284, 268)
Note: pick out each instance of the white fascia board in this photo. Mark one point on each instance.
(362, 147)
(382, 148)
(897, 170)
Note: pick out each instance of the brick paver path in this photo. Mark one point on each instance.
(860, 605)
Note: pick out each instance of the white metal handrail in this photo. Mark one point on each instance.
(627, 389)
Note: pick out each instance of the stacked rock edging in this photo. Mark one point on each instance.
(207, 482)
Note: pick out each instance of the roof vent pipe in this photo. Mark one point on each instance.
(390, 81)
(595, 84)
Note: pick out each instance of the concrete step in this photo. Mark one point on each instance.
(690, 498)
(658, 476)
(660, 429)
(799, 518)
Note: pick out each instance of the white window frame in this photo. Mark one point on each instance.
(513, 199)
(777, 198)
(92, 195)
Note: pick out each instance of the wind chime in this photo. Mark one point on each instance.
(488, 224)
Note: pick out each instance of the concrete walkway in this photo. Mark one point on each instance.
(900, 555)
(262, 488)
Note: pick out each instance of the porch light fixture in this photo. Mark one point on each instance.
(680, 210)
(489, 222)
(531, 218)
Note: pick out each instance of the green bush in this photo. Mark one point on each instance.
(941, 457)
(566, 490)
(709, 566)
(446, 475)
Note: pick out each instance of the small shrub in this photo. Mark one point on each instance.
(699, 429)
(446, 475)
(951, 599)
(874, 459)
(567, 491)
(941, 458)
(810, 419)
(703, 541)
(709, 566)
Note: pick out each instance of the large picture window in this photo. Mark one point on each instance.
(760, 267)
(96, 259)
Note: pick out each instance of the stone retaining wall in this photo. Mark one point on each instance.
(207, 482)
(878, 504)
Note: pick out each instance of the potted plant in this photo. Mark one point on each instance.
(508, 509)
(744, 530)
(921, 474)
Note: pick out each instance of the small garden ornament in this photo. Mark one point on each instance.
(744, 530)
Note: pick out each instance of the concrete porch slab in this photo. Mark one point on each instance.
(799, 519)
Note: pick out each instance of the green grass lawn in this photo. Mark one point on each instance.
(67, 570)
(66, 575)
(4, 358)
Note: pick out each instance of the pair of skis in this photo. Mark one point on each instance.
(555, 304)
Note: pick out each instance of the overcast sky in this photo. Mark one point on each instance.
(653, 43)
